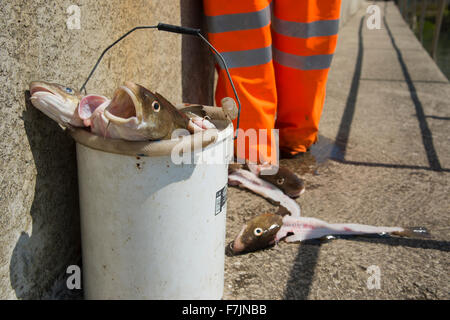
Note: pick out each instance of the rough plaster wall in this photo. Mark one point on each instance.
(39, 218)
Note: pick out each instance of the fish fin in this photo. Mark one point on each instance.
(229, 107)
(413, 232)
(195, 109)
(282, 211)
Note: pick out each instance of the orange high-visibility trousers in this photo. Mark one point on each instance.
(279, 53)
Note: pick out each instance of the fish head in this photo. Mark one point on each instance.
(59, 92)
(258, 233)
(287, 181)
(143, 112)
(56, 101)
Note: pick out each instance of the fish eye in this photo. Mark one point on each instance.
(68, 90)
(280, 181)
(156, 106)
(258, 231)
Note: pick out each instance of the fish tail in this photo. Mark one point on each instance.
(413, 232)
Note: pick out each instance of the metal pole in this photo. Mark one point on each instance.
(422, 19)
(402, 7)
(437, 30)
(405, 10)
(413, 17)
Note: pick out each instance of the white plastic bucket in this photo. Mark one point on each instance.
(152, 229)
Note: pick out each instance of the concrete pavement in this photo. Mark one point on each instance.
(384, 159)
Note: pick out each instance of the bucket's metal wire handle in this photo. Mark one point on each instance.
(174, 29)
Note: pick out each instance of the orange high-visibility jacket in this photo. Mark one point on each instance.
(279, 53)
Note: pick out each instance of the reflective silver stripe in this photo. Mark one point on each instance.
(316, 62)
(247, 58)
(305, 30)
(238, 21)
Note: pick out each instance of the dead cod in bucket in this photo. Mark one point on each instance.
(133, 114)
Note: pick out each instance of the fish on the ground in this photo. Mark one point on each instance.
(247, 179)
(134, 113)
(267, 229)
(258, 233)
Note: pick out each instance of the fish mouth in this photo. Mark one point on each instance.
(124, 106)
(50, 95)
(87, 106)
(234, 248)
(36, 86)
(229, 249)
(42, 88)
(237, 246)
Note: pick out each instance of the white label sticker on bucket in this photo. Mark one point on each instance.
(221, 199)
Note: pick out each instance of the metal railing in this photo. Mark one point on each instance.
(408, 9)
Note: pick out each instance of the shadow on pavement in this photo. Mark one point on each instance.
(440, 245)
(427, 136)
(302, 273)
(347, 118)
